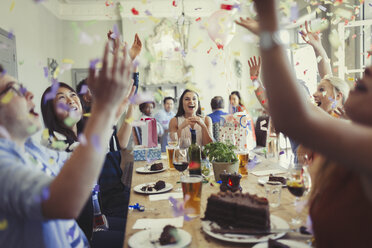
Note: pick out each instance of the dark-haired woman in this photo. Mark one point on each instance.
(62, 116)
(236, 102)
(189, 116)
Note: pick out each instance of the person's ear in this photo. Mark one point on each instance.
(339, 96)
(86, 98)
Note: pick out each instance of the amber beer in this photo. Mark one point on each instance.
(191, 188)
(170, 152)
(243, 157)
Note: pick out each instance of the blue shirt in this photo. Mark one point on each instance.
(25, 178)
(216, 115)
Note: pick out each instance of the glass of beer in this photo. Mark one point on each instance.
(191, 188)
(170, 154)
(172, 139)
(243, 157)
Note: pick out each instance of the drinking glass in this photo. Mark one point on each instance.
(180, 161)
(192, 190)
(172, 139)
(185, 142)
(299, 184)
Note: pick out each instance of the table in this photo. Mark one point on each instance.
(162, 209)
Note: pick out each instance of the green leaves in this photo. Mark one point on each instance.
(220, 152)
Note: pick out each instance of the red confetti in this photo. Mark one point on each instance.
(253, 77)
(227, 6)
(263, 101)
(369, 55)
(354, 36)
(174, 3)
(297, 63)
(305, 71)
(209, 50)
(134, 11)
(259, 93)
(219, 46)
(197, 19)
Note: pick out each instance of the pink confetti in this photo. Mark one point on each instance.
(96, 142)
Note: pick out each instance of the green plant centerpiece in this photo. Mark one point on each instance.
(222, 157)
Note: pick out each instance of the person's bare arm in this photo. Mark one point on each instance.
(207, 131)
(344, 142)
(254, 71)
(250, 24)
(71, 188)
(125, 129)
(314, 40)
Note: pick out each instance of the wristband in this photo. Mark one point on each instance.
(269, 40)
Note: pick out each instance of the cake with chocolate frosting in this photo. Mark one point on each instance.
(169, 235)
(156, 167)
(238, 210)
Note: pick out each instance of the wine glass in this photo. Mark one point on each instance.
(149, 159)
(180, 161)
(185, 142)
(172, 139)
(299, 184)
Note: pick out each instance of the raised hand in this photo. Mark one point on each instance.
(111, 86)
(309, 37)
(254, 67)
(250, 24)
(136, 47)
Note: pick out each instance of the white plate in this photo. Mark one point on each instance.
(143, 170)
(290, 243)
(142, 239)
(263, 180)
(276, 223)
(168, 187)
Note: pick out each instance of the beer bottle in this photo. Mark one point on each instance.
(194, 155)
(99, 221)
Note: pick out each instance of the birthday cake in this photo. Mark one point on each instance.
(238, 210)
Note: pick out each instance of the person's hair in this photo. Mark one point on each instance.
(168, 98)
(238, 95)
(217, 103)
(142, 106)
(181, 111)
(339, 85)
(84, 104)
(50, 117)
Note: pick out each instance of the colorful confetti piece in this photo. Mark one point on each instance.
(134, 11)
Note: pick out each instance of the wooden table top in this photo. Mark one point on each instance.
(162, 209)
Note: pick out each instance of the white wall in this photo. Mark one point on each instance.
(38, 36)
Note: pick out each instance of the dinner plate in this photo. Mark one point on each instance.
(142, 239)
(144, 170)
(276, 223)
(290, 243)
(168, 187)
(263, 180)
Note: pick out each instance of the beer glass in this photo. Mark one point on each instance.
(191, 188)
(243, 157)
(172, 139)
(170, 152)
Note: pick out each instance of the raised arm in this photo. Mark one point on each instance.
(73, 185)
(313, 39)
(291, 114)
(125, 129)
(254, 71)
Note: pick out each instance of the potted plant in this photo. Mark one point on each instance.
(222, 157)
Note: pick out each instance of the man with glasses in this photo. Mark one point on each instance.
(37, 208)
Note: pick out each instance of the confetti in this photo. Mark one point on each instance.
(147, 12)
(3, 224)
(53, 91)
(69, 121)
(10, 35)
(8, 97)
(12, 6)
(96, 142)
(209, 50)
(226, 6)
(197, 19)
(141, 98)
(93, 63)
(84, 89)
(129, 120)
(46, 73)
(116, 33)
(68, 61)
(197, 44)
(134, 11)
(86, 115)
(51, 161)
(82, 139)
(174, 3)
(308, 8)
(179, 207)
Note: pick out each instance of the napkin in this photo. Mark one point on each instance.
(267, 172)
(165, 196)
(158, 223)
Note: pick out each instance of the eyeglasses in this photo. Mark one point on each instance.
(16, 87)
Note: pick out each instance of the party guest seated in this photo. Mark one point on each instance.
(39, 209)
(217, 105)
(163, 117)
(341, 199)
(189, 117)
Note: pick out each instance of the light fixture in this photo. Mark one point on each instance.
(183, 27)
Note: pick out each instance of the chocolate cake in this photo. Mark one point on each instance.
(276, 244)
(273, 178)
(156, 167)
(169, 235)
(238, 211)
(159, 185)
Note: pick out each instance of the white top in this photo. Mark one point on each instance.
(186, 131)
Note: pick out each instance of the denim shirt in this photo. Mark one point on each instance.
(25, 177)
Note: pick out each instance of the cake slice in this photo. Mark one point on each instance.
(156, 167)
(238, 210)
(276, 244)
(169, 235)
